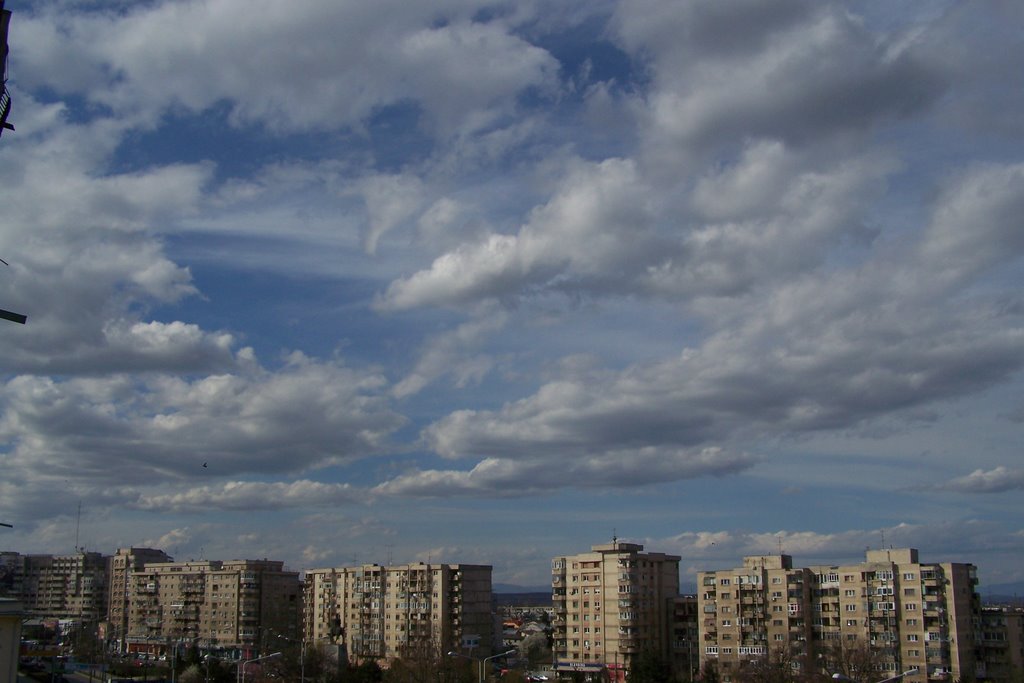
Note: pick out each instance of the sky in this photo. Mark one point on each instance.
(488, 281)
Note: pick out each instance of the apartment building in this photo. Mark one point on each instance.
(1001, 644)
(890, 614)
(239, 605)
(123, 564)
(63, 587)
(610, 604)
(684, 640)
(386, 612)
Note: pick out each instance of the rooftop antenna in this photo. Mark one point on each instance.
(78, 526)
(779, 539)
(615, 538)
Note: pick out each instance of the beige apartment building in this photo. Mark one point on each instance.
(891, 614)
(1001, 644)
(610, 604)
(240, 605)
(72, 588)
(123, 564)
(386, 612)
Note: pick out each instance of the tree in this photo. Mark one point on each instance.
(649, 667)
(854, 659)
(779, 665)
(535, 649)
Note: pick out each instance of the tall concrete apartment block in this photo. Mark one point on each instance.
(1001, 643)
(383, 613)
(237, 605)
(69, 587)
(611, 604)
(122, 565)
(898, 613)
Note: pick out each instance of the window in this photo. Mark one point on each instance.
(726, 622)
(910, 607)
(851, 622)
(726, 596)
(909, 591)
(724, 582)
(912, 637)
(851, 607)
(913, 653)
(776, 579)
(909, 576)
(850, 593)
(780, 636)
(911, 622)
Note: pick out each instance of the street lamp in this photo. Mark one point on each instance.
(302, 654)
(241, 667)
(481, 662)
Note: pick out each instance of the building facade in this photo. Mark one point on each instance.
(123, 564)
(239, 605)
(890, 614)
(70, 588)
(611, 604)
(387, 612)
(1001, 644)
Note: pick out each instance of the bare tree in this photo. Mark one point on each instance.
(854, 659)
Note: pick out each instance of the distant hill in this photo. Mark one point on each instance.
(1002, 593)
(513, 588)
(509, 594)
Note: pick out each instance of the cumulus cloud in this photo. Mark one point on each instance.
(794, 358)
(353, 60)
(792, 70)
(996, 480)
(121, 429)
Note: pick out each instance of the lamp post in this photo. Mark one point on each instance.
(480, 662)
(302, 654)
(241, 667)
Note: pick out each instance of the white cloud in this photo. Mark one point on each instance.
(996, 480)
(152, 429)
(314, 66)
(524, 474)
(445, 354)
(249, 495)
(957, 541)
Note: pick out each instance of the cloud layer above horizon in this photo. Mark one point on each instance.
(375, 266)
